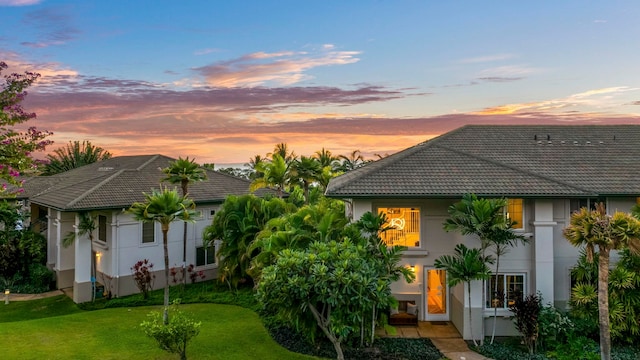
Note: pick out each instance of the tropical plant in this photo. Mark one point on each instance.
(175, 337)
(352, 161)
(464, 266)
(143, 276)
(74, 155)
(86, 226)
(236, 224)
(591, 228)
(184, 172)
(306, 170)
(326, 158)
(282, 150)
(526, 312)
(164, 206)
(275, 173)
(17, 145)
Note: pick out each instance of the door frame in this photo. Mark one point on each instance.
(436, 317)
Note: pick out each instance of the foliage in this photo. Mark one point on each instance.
(86, 226)
(465, 266)
(352, 161)
(507, 351)
(164, 206)
(577, 347)
(178, 274)
(143, 276)
(526, 312)
(337, 282)
(17, 146)
(305, 171)
(173, 337)
(274, 174)
(74, 155)
(554, 328)
(591, 228)
(236, 224)
(237, 172)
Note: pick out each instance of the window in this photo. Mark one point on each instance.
(510, 288)
(205, 255)
(148, 232)
(405, 226)
(515, 212)
(589, 203)
(102, 228)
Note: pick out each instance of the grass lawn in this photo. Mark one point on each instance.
(28, 331)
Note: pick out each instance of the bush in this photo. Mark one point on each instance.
(554, 328)
(577, 348)
(175, 336)
(143, 276)
(507, 351)
(526, 313)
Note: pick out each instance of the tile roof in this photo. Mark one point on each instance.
(501, 160)
(120, 181)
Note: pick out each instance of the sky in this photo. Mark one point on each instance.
(222, 81)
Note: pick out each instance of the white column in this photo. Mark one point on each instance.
(82, 276)
(544, 256)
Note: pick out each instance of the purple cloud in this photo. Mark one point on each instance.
(53, 26)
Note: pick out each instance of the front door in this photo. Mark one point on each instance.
(437, 295)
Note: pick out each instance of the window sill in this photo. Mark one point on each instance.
(505, 313)
(143, 245)
(417, 252)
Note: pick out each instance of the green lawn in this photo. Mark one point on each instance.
(227, 332)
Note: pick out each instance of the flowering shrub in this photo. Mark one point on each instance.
(143, 276)
(177, 274)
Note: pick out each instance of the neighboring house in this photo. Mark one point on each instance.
(105, 190)
(545, 172)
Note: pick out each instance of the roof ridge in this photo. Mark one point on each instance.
(527, 172)
(97, 186)
(151, 159)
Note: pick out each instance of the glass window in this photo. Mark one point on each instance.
(148, 232)
(515, 212)
(102, 228)
(404, 224)
(510, 288)
(205, 255)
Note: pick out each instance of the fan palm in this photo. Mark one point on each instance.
(74, 155)
(183, 172)
(591, 228)
(164, 206)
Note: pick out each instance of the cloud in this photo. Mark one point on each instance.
(507, 72)
(53, 27)
(487, 58)
(205, 51)
(500, 79)
(19, 2)
(280, 68)
(637, 102)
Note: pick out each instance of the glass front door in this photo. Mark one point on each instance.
(437, 295)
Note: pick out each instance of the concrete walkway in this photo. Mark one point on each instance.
(443, 335)
(25, 297)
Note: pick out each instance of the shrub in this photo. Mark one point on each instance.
(554, 328)
(143, 276)
(175, 336)
(526, 312)
(577, 347)
(507, 351)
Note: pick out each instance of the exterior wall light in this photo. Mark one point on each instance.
(6, 296)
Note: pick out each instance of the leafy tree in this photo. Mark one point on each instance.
(164, 206)
(173, 337)
(352, 161)
(275, 173)
(254, 165)
(184, 172)
(17, 146)
(236, 224)
(326, 158)
(74, 155)
(282, 150)
(591, 228)
(465, 266)
(306, 170)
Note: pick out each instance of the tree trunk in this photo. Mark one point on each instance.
(165, 244)
(324, 326)
(470, 314)
(603, 303)
(495, 307)
(185, 190)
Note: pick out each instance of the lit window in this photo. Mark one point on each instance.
(148, 232)
(510, 288)
(205, 255)
(404, 224)
(102, 228)
(515, 212)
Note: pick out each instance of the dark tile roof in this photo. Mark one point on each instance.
(500, 160)
(120, 181)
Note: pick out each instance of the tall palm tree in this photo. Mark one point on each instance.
(465, 266)
(254, 164)
(275, 173)
(591, 228)
(351, 162)
(74, 155)
(326, 158)
(306, 170)
(183, 172)
(164, 206)
(282, 149)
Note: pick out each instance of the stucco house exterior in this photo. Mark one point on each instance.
(545, 172)
(105, 190)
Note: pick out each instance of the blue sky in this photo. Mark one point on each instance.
(225, 80)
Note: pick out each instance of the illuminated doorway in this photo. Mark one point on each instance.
(437, 295)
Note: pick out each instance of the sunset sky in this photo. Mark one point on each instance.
(222, 81)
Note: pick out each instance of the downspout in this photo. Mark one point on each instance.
(116, 255)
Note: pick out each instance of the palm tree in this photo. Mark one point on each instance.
(183, 172)
(465, 266)
(282, 149)
(306, 170)
(591, 228)
(86, 226)
(254, 164)
(74, 155)
(164, 206)
(275, 173)
(480, 217)
(352, 162)
(326, 158)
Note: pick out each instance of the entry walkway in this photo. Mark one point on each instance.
(25, 297)
(443, 335)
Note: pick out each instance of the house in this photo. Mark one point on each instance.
(545, 172)
(105, 190)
